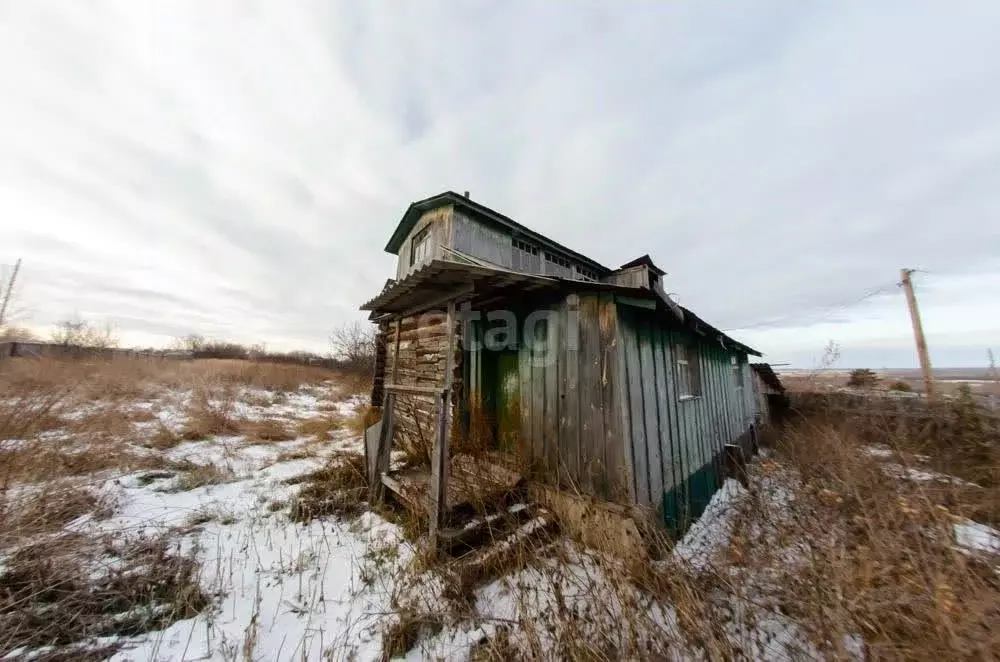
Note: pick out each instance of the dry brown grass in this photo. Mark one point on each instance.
(827, 556)
(362, 418)
(879, 562)
(272, 376)
(42, 460)
(267, 430)
(65, 427)
(47, 508)
(340, 489)
(211, 412)
(320, 427)
(64, 593)
(201, 475)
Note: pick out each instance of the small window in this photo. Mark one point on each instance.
(420, 246)
(688, 370)
(556, 259)
(526, 247)
(586, 274)
(737, 371)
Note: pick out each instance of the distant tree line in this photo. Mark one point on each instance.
(352, 345)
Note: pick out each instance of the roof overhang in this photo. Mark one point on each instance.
(439, 282)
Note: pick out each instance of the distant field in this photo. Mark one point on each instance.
(981, 381)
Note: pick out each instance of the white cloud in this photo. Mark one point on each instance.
(235, 168)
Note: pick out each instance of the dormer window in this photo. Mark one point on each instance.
(420, 246)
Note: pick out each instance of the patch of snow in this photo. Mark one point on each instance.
(977, 537)
(878, 450)
(922, 475)
(712, 531)
(290, 592)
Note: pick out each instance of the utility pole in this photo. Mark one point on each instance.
(918, 330)
(9, 293)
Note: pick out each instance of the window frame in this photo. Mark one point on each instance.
(687, 361)
(420, 240)
(737, 371)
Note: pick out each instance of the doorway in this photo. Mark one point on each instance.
(501, 397)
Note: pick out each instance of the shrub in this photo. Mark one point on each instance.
(862, 378)
(901, 386)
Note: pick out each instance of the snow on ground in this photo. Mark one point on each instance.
(326, 590)
(897, 470)
(711, 532)
(977, 537)
(284, 590)
(281, 589)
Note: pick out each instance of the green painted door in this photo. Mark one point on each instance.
(508, 411)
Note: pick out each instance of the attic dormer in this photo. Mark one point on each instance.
(453, 227)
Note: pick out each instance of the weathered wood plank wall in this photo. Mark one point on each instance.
(569, 406)
(676, 441)
(440, 222)
(637, 276)
(480, 240)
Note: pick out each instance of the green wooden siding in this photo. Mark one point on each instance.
(600, 408)
(677, 442)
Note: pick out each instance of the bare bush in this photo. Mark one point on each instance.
(10, 333)
(83, 333)
(354, 345)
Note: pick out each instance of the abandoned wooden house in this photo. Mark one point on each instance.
(493, 338)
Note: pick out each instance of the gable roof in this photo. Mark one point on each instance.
(646, 260)
(417, 209)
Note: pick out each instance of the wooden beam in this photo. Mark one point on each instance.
(376, 490)
(439, 456)
(412, 390)
(395, 351)
(437, 301)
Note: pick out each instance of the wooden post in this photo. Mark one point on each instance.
(376, 490)
(918, 331)
(440, 454)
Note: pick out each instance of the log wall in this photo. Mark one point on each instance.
(418, 358)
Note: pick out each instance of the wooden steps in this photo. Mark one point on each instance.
(504, 550)
(476, 486)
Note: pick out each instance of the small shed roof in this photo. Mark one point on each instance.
(646, 260)
(768, 376)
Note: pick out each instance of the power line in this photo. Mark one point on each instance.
(831, 309)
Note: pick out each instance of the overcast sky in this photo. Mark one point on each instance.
(235, 168)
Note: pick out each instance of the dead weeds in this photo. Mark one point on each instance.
(340, 489)
(320, 427)
(63, 594)
(267, 430)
